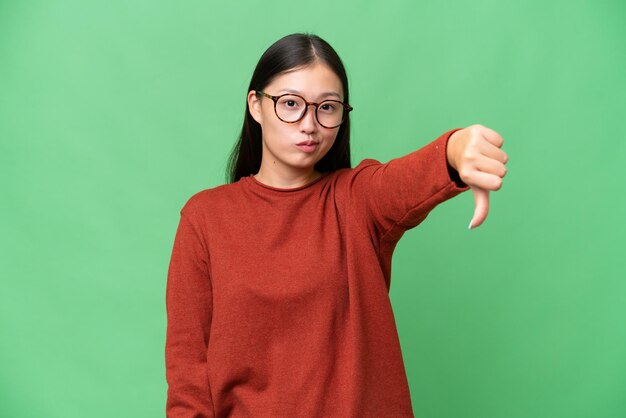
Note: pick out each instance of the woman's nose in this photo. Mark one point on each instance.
(308, 120)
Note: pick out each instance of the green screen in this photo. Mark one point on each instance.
(113, 113)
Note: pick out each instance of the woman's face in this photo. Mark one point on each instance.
(282, 158)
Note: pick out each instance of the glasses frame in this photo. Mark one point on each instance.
(346, 108)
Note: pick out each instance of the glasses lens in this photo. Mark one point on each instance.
(330, 113)
(289, 108)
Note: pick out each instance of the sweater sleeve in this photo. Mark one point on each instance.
(189, 313)
(398, 195)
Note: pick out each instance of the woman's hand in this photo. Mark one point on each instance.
(475, 153)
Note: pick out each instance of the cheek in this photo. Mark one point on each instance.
(271, 122)
(277, 134)
(330, 138)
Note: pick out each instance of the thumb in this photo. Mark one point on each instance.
(481, 200)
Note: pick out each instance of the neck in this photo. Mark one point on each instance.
(287, 182)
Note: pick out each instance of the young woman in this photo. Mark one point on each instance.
(277, 291)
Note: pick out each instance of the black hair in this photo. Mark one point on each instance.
(292, 51)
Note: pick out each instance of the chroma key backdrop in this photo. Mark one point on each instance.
(113, 113)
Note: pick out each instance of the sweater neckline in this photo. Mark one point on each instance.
(252, 180)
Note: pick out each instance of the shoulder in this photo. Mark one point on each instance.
(206, 199)
(345, 175)
(366, 163)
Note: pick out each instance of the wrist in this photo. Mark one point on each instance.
(451, 149)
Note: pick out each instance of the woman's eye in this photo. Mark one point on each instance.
(289, 103)
(328, 107)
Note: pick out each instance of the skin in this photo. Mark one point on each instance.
(283, 164)
(475, 152)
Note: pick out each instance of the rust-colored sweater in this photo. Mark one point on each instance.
(278, 299)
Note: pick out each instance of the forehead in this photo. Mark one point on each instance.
(312, 82)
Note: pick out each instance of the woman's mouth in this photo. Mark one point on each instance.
(310, 147)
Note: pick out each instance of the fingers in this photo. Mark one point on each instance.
(483, 162)
(491, 166)
(482, 180)
(489, 134)
(481, 201)
(488, 142)
(490, 150)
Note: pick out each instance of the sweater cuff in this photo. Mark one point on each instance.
(454, 176)
(452, 173)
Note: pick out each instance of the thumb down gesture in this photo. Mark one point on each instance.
(475, 153)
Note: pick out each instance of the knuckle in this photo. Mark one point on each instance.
(464, 174)
(475, 129)
(468, 155)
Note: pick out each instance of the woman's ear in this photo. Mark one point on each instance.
(254, 104)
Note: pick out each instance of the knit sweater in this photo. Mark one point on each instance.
(278, 299)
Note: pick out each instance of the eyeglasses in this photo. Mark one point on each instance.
(291, 108)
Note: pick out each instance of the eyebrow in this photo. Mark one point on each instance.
(326, 94)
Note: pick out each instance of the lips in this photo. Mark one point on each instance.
(308, 146)
(307, 143)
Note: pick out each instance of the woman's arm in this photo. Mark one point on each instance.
(398, 195)
(189, 313)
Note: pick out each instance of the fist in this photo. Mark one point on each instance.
(475, 153)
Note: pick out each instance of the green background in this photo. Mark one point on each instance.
(113, 113)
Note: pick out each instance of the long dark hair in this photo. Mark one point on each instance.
(291, 51)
